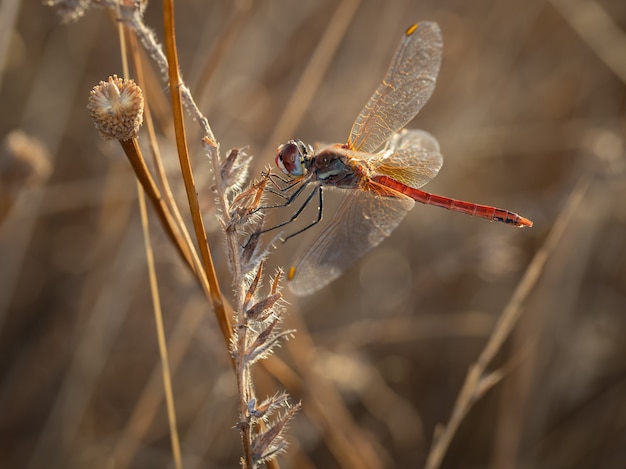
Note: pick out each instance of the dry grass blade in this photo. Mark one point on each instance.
(158, 317)
(473, 386)
(149, 402)
(133, 152)
(154, 284)
(185, 165)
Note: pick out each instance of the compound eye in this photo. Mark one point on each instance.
(289, 159)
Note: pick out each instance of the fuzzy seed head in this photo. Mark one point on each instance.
(116, 107)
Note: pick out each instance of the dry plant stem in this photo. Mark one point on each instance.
(156, 157)
(241, 369)
(123, 46)
(477, 382)
(168, 196)
(158, 319)
(242, 375)
(149, 402)
(133, 152)
(150, 43)
(176, 89)
(154, 291)
(185, 165)
(134, 430)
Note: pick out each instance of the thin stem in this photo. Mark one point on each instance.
(154, 291)
(180, 94)
(241, 368)
(133, 152)
(185, 165)
(168, 196)
(158, 319)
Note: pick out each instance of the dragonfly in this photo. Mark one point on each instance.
(380, 186)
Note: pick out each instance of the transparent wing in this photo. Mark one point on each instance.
(363, 219)
(411, 157)
(409, 83)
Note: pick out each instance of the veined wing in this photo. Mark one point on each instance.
(407, 86)
(363, 219)
(411, 157)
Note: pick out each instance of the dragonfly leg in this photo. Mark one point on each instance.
(273, 176)
(308, 199)
(287, 199)
(316, 221)
(298, 212)
(289, 184)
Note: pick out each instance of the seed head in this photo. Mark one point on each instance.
(116, 107)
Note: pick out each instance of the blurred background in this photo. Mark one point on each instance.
(530, 100)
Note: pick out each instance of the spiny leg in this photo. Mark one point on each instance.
(313, 223)
(318, 189)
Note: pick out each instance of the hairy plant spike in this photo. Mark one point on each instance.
(249, 251)
(262, 348)
(234, 170)
(270, 442)
(269, 405)
(256, 311)
(226, 168)
(264, 335)
(253, 285)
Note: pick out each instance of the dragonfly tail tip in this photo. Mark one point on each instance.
(524, 222)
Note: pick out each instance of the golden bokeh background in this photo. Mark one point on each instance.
(530, 104)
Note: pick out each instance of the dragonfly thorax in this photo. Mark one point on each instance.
(291, 158)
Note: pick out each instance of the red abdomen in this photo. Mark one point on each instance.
(469, 208)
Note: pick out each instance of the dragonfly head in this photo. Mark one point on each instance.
(291, 158)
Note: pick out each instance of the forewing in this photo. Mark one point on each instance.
(363, 219)
(412, 157)
(407, 86)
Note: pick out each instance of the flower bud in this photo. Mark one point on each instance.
(116, 107)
